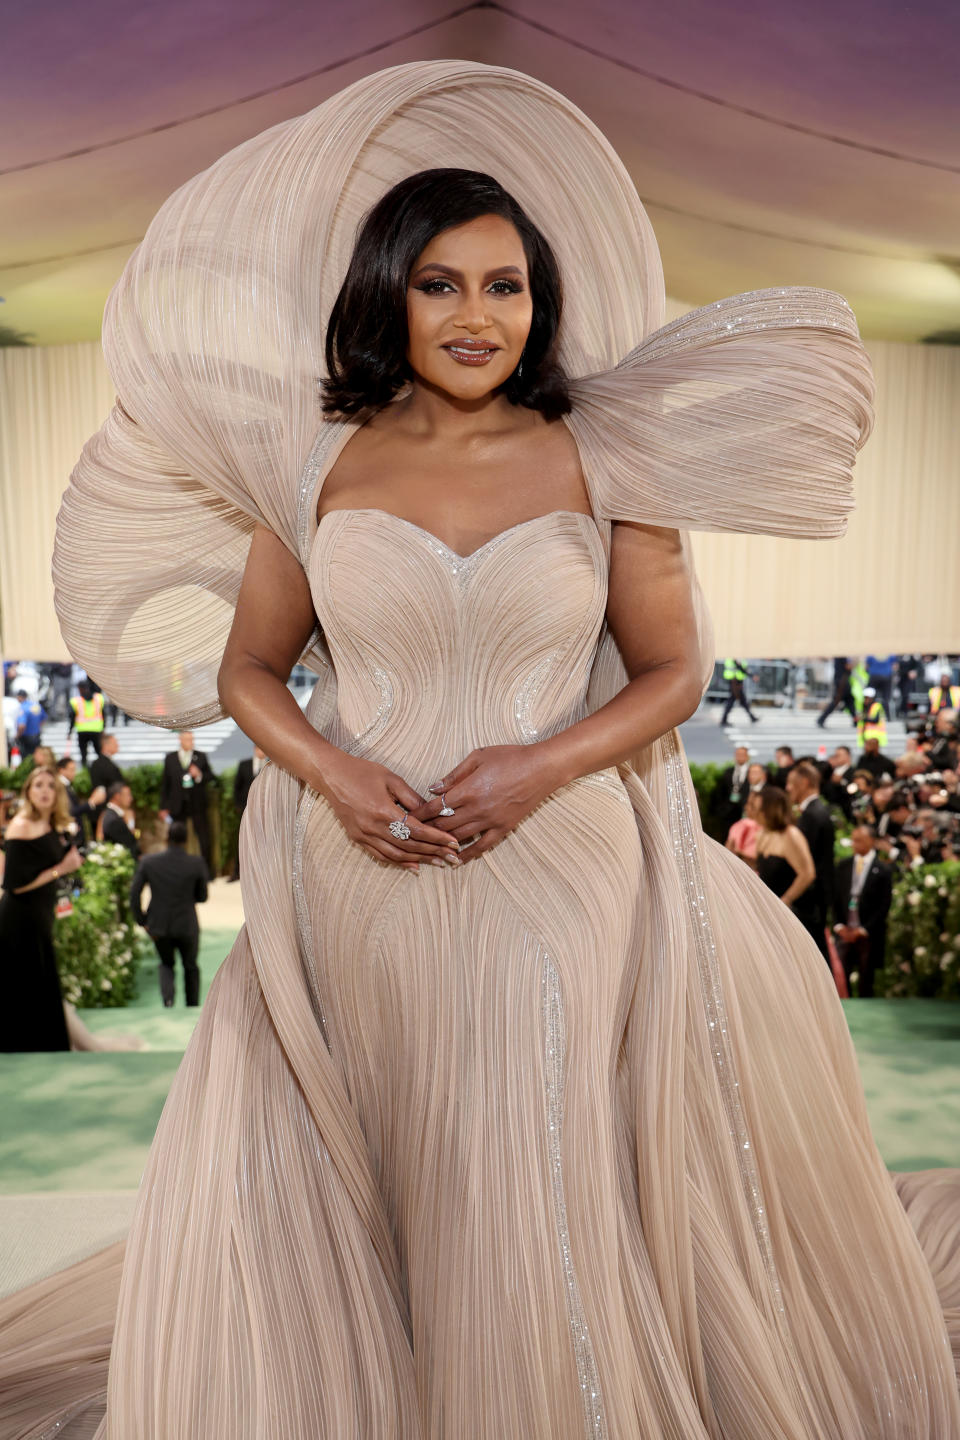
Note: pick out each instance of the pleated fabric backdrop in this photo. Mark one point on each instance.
(890, 584)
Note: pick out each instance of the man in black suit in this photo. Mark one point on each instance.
(247, 772)
(875, 761)
(184, 790)
(863, 889)
(783, 759)
(82, 811)
(815, 822)
(837, 789)
(178, 884)
(115, 829)
(104, 772)
(842, 692)
(731, 790)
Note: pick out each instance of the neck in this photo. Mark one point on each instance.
(435, 414)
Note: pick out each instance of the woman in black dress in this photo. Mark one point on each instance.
(36, 854)
(784, 862)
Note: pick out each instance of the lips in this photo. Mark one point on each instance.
(471, 352)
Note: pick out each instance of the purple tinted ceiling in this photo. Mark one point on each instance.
(810, 142)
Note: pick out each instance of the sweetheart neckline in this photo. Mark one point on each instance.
(435, 539)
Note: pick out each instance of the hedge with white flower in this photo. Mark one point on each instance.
(923, 934)
(99, 947)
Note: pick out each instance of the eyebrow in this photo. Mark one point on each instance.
(458, 274)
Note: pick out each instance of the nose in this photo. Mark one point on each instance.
(472, 314)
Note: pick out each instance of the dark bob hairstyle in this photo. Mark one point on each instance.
(367, 333)
(775, 807)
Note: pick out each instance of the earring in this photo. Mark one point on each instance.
(520, 367)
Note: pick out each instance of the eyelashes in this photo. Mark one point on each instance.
(439, 287)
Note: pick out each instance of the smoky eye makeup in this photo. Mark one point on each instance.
(441, 284)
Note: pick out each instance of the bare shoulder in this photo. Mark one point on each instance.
(21, 827)
(362, 458)
(543, 456)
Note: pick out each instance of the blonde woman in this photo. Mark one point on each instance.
(784, 861)
(36, 852)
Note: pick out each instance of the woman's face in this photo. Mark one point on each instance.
(41, 792)
(469, 308)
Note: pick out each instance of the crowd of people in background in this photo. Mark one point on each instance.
(47, 832)
(904, 811)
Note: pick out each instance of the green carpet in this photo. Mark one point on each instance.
(84, 1122)
(909, 1054)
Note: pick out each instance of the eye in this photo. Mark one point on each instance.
(506, 287)
(434, 287)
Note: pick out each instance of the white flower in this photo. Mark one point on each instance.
(919, 951)
(106, 984)
(854, 976)
(930, 881)
(942, 892)
(914, 897)
(945, 961)
(905, 966)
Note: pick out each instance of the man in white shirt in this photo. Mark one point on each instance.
(185, 784)
(731, 791)
(863, 890)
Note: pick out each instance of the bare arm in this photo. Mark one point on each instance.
(44, 878)
(274, 620)
(797, 851)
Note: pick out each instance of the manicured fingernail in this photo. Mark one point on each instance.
(453, 860)
(438, 862)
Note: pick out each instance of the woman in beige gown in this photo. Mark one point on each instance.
(566, 1140)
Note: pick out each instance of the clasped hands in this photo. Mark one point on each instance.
(490, 791)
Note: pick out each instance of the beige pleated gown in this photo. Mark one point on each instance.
(569, 1142)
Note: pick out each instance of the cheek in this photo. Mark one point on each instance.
(424, 323)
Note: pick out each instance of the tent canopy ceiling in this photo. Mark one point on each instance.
(773, 143)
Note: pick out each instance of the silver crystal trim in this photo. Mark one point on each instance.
(683, 831)
(608, 780)
(526, 696)
(793, 307)
(461, 567)
(554, 1054)
(308, 800)
(327, 437)
(371, 733)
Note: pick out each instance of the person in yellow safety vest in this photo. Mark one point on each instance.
(87, 718)
(859, 680)
(872, 724)
(735, 674)
(944, 696)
